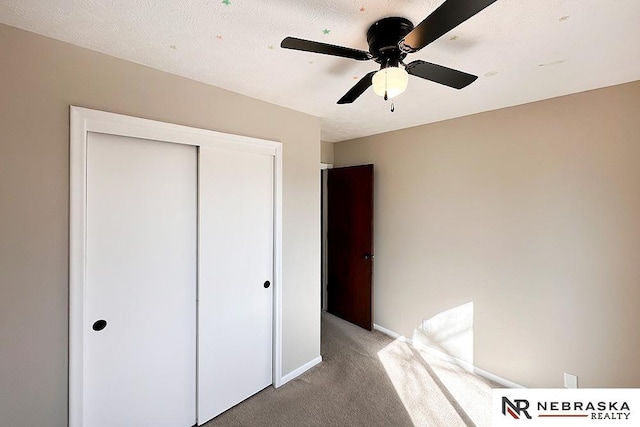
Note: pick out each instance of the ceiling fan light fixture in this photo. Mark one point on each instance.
(391, 81)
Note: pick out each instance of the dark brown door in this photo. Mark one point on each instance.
(350, 244)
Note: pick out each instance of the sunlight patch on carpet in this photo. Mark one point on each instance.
(436, 392)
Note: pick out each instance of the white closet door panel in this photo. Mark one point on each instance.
(141, 278)
(235, 259)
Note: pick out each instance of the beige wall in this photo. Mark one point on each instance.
(532, 213)
(39, 79)
(326, 153)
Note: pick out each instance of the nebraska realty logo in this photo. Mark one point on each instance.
(566, 407)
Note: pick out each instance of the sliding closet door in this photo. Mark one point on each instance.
(235, 275)
(140, 306)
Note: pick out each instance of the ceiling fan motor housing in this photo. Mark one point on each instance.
(383, 37)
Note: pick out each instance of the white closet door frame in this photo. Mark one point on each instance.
(84, 120)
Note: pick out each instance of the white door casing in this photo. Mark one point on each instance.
(84, 122)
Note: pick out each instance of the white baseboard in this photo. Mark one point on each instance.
(497, 379)
(469, 367)
(299, 371)
(389, 332)
(446, 357)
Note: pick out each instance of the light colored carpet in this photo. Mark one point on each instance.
(368, 379)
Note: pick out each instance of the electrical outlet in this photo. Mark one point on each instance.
(570, 380)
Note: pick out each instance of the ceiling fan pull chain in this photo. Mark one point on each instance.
(385, 85)
(393, 107)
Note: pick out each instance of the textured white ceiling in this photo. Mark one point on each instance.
(522, 50)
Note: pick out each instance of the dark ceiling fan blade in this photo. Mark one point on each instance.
(324, 48)
(358, 89)
(449, 15)
(439, 74)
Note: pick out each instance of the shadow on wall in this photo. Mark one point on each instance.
(450, 331)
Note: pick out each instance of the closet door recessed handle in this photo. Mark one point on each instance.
(267, 284)
(99, 325)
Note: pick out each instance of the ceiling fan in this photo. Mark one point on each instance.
(390, 40)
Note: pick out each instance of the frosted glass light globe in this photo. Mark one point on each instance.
(392, 79)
